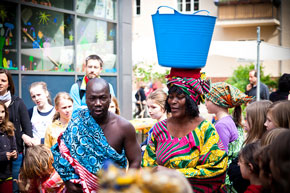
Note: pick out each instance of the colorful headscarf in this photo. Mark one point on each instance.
(195, 88)
(226, 95)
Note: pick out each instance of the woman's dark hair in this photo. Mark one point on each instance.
(237, 116)
(191, 107)
(284, 83)
(11, 87)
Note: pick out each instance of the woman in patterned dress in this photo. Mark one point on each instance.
(185, 141)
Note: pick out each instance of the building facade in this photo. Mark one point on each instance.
(48, 40)
(236, 21)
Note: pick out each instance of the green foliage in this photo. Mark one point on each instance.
(147, 74)
(240, 77)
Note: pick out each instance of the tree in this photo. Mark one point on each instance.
(240, 77)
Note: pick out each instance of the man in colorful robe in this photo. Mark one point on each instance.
(93, 136)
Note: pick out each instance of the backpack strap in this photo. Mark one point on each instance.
(81, 92)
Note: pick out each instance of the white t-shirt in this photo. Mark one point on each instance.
(40, 121)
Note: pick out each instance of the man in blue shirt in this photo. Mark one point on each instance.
(94, 66)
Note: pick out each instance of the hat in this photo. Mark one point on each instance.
(226, 95)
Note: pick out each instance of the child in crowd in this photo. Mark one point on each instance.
(40, 115)
(263, 157)
(270, 135)
(250, 168)
(254, 126)
(8, 150)
(156, 109)
(255, 119)
(280, 163)
(114, 106)
(221, 97)
(278, 115)
(63, 107)
(37, 173)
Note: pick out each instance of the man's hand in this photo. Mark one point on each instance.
(249, 87)
(73, 188)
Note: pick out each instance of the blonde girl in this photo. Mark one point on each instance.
(40, 115)
(8, 150)
(64, 107)
(255, 119)
(37, 173)
(156, 104)
(156, 109)
(270, 135)
(114, 106)
(278, 115)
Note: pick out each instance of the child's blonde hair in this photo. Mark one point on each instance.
(44, 87)
(60, 95)
(37, 162)
(256, 117)
(270, 135)
(159, 97)
(6, 125)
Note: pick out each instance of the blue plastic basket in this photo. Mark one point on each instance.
(182, 40)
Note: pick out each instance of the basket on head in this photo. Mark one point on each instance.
(182, 40)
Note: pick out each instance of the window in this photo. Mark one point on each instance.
(96, 35)
(47, 40)
(8, 35)
(99, 8)
(187, 5)
(138, 7)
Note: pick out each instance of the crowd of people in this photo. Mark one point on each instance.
(65, 146)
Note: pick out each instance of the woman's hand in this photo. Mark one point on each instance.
(13, 154)
(8, 155)
(28, 140)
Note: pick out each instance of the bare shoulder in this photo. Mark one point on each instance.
(122, 123)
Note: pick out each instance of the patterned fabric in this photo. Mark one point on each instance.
(195, 88)
(53, 184)
(198, 155)
(233, 152)
(226, 95)
(88, 180)
(87, 144)
(208, 185)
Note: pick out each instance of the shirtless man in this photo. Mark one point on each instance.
(93, 136)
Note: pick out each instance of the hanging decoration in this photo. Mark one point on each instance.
(71, 38)
(3, 14)
(43, 18)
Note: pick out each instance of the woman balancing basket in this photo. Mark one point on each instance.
(182, 40)
(185, 141)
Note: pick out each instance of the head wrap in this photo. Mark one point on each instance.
(226, 95)
(195, 86)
